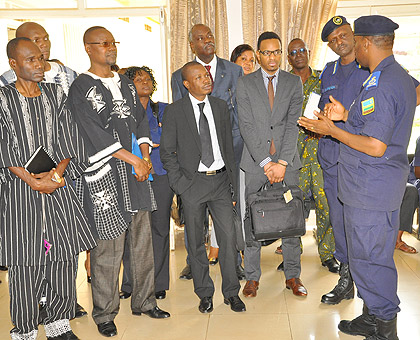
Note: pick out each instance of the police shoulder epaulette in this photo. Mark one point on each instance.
(326, 66)
(372, 80)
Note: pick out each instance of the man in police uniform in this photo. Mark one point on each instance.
(373, 149)
(341, 79)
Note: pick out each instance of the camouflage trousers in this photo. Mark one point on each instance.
(311, 181)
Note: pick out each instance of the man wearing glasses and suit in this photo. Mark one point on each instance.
(269, 104)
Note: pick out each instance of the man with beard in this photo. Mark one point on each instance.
(115, 192)
(224, 76)
(310, 175)
(42, 225)
(373, 150)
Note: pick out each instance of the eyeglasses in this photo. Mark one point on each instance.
(105, 43)
(301, 50)
(267, 53)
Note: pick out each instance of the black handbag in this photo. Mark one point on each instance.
(273, 218)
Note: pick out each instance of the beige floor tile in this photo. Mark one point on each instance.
(274, 314)
(249, 326)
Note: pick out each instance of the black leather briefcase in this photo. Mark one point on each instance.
(272, 217)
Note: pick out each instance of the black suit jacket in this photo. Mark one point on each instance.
(180, 145)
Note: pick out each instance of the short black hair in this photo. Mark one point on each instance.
(131, 72)
(185, 68)
(12, 46)
(90, 30)
(236, 53)
(266, 36)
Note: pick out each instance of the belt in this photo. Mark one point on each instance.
(213, 172)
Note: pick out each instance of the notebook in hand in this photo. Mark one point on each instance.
(40, 161)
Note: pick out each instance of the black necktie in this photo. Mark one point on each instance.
(207, 157)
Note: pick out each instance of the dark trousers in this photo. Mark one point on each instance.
(212, 192)
(105, 268)
(160, 237)
(290, 245)
(336, 213)
(27, 284)
(371, 237)
(409, 205)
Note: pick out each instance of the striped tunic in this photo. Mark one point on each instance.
(28, 218)
(58, 74)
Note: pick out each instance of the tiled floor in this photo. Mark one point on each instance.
(274, 314)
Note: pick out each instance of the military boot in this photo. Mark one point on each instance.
(364, 324)
(344, 290)
(387, 330)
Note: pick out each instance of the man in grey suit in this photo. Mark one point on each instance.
(224, 76)
(270, 102)
(197, 152)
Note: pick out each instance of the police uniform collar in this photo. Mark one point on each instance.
(384, 63)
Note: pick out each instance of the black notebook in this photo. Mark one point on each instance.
(39, 162)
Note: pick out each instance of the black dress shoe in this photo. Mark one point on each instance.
(80, 311)
(89, 279)
(213, 261)
(235, 303)
(160, 295)
(280, 267)
(332, 265)
(65, 336)
(206, 304)
(107, 328)
(155, 313)
(186, 273)
(3, 268)
(240, 272)
(124, 295)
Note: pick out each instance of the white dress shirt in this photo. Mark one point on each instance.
(212, 64)
(218, 160)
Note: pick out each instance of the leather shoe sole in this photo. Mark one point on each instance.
(206, 305)
(160, 295)
(124, 295)
(235, 303)
(186, 273)
(65, 336)
(107, 329)
(332, 265)
(80, 311)
(154, 313)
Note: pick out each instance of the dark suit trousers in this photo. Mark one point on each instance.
(290, 245)
(212, 192)
(409, 205)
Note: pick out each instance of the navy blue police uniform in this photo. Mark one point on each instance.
(371, 188)
(343, 82)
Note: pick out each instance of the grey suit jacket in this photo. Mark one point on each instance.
(259, 125)
(227, 75)
(180, 145)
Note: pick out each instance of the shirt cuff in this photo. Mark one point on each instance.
(264, 162)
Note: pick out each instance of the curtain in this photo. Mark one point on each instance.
(184, 15)
(289, 19)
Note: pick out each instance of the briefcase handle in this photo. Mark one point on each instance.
(267, 185)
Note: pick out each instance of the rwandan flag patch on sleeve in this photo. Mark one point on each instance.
(368, 106)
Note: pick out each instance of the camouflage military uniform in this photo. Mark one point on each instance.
(311, 178)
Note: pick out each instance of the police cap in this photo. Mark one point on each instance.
(371, 25)
(332, 25)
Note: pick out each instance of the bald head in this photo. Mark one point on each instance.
(90, 32)
(37, 34)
